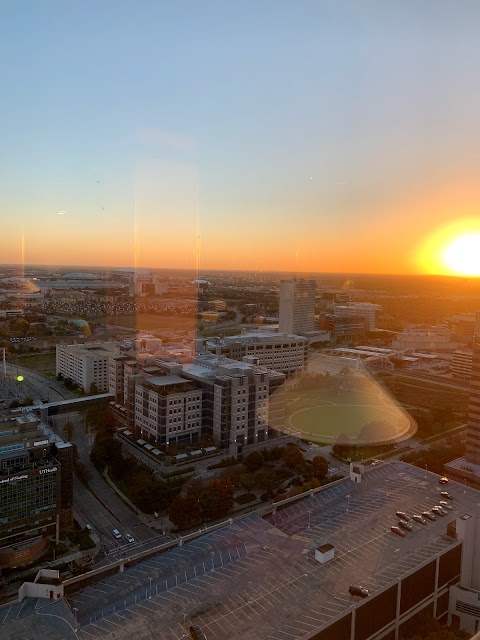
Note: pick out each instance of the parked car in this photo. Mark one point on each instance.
(88, 528)
(419, 519)
(405, 525)
(446, 495)
(129, 537)
(443, 480)
(438, 511)
(398, 531)
(403, 515)
(429, 515)
(445, 505)
(116, 534)
(357, 590)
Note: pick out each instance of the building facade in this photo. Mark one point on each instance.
(462, 364)
(278, 351)
(168, 410)
(473, 432)
(86, 364)
(36, 490)
(367, 310)
(297, 306)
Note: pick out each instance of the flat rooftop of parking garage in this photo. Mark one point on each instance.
(258, 577)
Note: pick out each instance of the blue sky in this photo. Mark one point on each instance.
(313, 124)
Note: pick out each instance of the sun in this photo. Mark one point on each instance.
(453, 250)
(462, 255)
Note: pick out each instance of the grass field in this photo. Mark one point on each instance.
(324, 415)
(36, 361)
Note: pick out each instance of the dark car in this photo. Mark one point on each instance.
(403, 515)
(405, 525)
(429, 515)
(446, 495)
(398, 531)
(438, 511)
(443, 480)
(357, 590)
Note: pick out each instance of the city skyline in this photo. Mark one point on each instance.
(310, 138)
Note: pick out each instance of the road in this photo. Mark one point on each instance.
(100, 506)
(435, 380)
(47, 388)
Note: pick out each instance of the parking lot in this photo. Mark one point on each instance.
(258, 578)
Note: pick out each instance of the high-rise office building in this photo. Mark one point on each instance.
(473, 431)
(36, 490)
(297, 306)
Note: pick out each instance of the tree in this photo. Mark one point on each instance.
(217, 500)
(292, 456)
(178, 513)
(320, 465)
(248, 482)
(266, 480)
(93, 389)
(254, 461)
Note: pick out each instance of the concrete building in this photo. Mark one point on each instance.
(168, 410)
(366, 310)
(461, 327)
(348, 327)
(462, 363)
(420, 337)
(36, 489)
(473, 432)
(234, 402)
(242, 402)
(86, 364)
(297, 306)
(468, 468)
(278, 351)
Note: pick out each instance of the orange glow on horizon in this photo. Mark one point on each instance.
(453, 249)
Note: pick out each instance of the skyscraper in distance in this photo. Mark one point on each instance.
(297, 306)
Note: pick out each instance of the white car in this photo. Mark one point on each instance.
(129, 537)
(116, 534)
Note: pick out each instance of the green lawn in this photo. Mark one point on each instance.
(325, 415)
(36, 361)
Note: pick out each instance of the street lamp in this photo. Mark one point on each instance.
(150, 596)
(212, 553)
(309, 514)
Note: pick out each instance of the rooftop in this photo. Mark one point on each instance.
(257, 578)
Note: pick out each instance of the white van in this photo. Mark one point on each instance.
(88, 528)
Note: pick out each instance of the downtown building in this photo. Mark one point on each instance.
(366, 310)
(297, 306)
(164, 402)
(468, 467)
(36, 490)
(278, 351)
(243, 403)
(86, 364)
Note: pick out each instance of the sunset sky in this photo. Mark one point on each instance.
(306, 136)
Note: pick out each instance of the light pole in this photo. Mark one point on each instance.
(150, 596)
(212, 553)
(309, 514)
